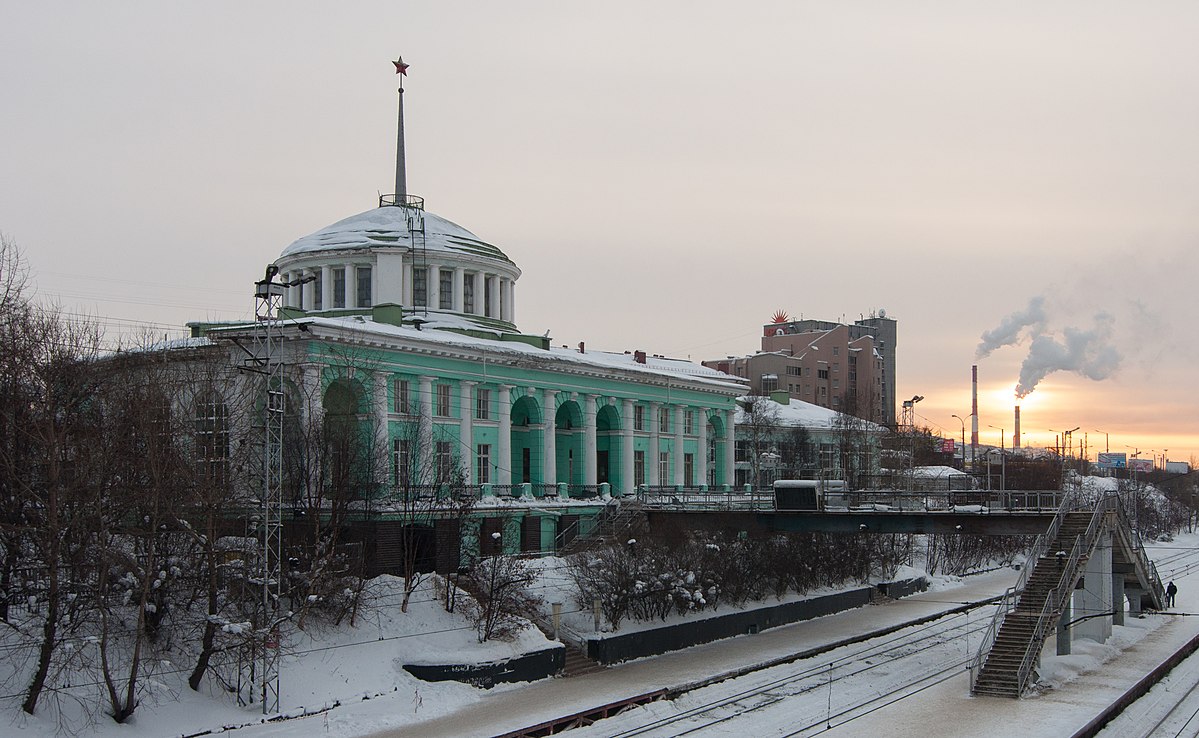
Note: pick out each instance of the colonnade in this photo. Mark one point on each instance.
(470, 291)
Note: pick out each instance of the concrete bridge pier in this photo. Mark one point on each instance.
(1117, 598)
(1135, 596)
(1095, 597)
(1063, 628)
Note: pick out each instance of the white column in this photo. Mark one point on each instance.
(308, 289)
(549, 440)
(503, 462)
(626, 447)
(678, 444)
(424, 433)
(459, 288)
(476, 282)
(493, 302)
(433, 285)
(326, 287)
(311, 408)
(730, 449)
(406, 285)
(654, 441)
(351, 286)
(589, 445)
(512, 301)
(701, 460)
(382, 433)
(466, 435)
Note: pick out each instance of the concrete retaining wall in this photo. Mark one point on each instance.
(526, 668)
(613, 649)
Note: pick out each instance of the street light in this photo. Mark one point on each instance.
(963, 438)
(1002, 460)
(1107, 448)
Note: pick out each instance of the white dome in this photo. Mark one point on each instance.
(388, 227)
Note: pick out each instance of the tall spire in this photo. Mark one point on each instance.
(401, 190)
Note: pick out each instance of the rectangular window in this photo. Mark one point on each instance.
(688, 470)
(445, 281)
(487, 297)
(420, 287)
(318, 295)
(400, 401)
(443, 401)
(400, 462)
(483, 461)
(663, 420)
(689, 423)
(468, 294)
(822, 373)
(663, 468)
(339, 288)
(638, 468)
(639, 418)
(445, 462)
(364, 286)
(483, 404)
(770, 383)
(212, 439)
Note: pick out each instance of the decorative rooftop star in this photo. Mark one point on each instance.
(401, 67)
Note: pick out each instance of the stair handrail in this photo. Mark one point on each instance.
(1006, 603)
(1052, 609)
(1142, 557)
(1050, 612)
(1024, 672)
(1039, 548)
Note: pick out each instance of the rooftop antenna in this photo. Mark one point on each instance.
(401, 178)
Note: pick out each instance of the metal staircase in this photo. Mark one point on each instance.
(1028, 612)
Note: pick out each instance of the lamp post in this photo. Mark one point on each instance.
(1002, 460)
(1107, 449)
(909, 420)
(963, 439)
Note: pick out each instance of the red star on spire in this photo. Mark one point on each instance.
(401, 67)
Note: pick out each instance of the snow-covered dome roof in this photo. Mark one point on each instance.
(389, 226)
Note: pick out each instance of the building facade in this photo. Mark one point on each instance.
(831, 365)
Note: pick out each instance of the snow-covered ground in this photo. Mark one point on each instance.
(357, 672)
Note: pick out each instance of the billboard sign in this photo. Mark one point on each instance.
(948, 446)
(1113, 461)
(1141, 465)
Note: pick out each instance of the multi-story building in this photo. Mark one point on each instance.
(402, 324)
(847, 368)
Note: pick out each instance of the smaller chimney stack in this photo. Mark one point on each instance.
(1016, 434)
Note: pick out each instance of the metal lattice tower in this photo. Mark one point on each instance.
(268, 344)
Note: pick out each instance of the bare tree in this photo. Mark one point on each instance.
(759, 433)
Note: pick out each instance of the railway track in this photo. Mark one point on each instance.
(922, 656)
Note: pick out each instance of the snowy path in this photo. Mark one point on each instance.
(520, 706)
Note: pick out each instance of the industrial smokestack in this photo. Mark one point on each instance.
(1016, 434)
(973, 412)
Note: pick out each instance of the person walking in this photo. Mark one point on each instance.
(1171, 590)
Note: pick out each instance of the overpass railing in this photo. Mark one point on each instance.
(1011, 597)
(749, 498)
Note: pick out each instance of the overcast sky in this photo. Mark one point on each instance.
(667, 175)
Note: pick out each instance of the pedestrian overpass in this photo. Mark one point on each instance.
(1086, 561)
(759, 512)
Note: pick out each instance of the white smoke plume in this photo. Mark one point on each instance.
(1083, 352)
(1007, 333)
